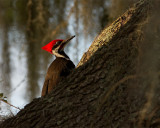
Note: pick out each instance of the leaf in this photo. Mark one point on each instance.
(5, 100)
(1, 95)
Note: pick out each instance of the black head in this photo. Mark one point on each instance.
(58, 47)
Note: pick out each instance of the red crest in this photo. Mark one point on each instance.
(49, 46)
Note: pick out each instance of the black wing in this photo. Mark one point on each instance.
(68, 68)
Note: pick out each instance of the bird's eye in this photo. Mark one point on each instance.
(56, 45)
(58, 42)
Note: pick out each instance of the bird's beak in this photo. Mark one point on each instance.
(65, 42)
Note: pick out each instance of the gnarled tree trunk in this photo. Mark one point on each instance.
(104, 90)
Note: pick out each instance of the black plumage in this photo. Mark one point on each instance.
(59, 68)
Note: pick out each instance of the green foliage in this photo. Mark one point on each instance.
(1, 95)
(3, 98)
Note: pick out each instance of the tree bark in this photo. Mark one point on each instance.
(104, 90)
(125, 23)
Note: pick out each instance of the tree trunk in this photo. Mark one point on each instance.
(104, 90)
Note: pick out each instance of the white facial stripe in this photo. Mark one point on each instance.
(58, 55)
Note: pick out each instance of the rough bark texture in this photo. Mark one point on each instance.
(103, 92)
(125, 23)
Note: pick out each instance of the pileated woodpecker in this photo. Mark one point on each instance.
(60, 67)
